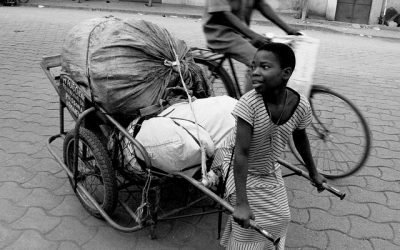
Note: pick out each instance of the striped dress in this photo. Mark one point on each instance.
(265, 187)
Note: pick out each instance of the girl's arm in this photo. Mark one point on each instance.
(302, 144)
(242, 213)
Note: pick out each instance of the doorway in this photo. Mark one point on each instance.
(353, 11)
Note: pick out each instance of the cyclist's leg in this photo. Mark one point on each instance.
(244, 52)
(239, 49)
(236, 46)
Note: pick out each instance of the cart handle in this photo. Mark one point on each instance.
(227, 206)
(300, 172)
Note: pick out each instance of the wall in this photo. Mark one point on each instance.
(376, 10)
(276, 4)
(331, 6)
(284, 5)
(317, 7)
(325, 8)
(185, 2)
(394, 3)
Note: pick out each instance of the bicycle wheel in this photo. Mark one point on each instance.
(219, 80)
(339, 136)
(95, 171)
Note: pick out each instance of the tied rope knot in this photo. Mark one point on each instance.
(177, 66)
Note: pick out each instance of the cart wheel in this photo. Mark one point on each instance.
(95, 171)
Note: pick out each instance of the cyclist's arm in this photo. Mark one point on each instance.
(235, 23)
(302, 144)
(266, 10)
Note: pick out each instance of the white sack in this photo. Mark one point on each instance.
(214, 114)
(170, 147)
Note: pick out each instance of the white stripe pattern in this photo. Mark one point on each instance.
(265, 186)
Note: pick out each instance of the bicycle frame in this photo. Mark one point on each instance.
(220, 59)
(233, 70)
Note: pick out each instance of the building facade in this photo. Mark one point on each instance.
(352, 11)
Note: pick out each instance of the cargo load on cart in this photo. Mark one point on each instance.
(137, 69)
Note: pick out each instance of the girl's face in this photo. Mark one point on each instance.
(266, 72)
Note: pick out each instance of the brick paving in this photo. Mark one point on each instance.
(38, 209)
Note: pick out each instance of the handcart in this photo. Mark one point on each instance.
(92, 161)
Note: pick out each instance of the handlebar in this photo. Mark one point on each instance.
(227, 206)
(264, 232)
(300, 172)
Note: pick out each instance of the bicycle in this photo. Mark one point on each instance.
(339, 135)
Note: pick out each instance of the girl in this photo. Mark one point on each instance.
(266, 117)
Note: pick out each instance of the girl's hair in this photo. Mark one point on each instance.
(283, 52)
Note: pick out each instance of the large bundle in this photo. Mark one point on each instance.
(171, 138)
(125, 65)
(172, 144)
(214, 114)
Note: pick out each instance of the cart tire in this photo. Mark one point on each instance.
(340, 138)
(95, 171)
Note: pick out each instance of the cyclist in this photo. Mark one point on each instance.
(226, 28)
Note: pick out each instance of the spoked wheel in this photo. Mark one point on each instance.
(95, 171)
(219, 79)
(339, 136)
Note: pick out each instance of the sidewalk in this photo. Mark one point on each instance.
(371, 31)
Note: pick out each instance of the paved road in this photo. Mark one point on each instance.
(38, 209)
